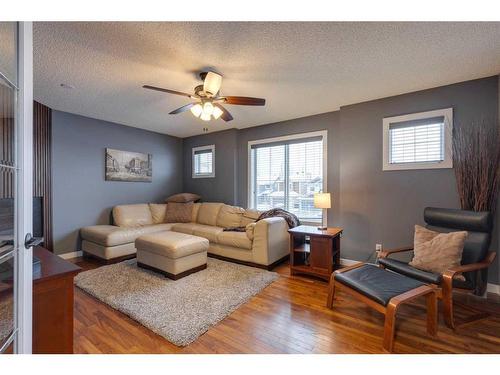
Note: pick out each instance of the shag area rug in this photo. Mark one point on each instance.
(181, 310)
(6, 318)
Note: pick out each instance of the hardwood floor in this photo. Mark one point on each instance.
(289, 316)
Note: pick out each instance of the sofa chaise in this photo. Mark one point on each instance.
(264, 243)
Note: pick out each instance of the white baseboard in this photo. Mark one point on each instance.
(348, 262)
(491, 288)
(74, 254)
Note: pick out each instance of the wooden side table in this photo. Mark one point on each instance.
(318, 257)
(53, 304)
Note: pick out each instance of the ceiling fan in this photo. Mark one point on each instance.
(208, 101)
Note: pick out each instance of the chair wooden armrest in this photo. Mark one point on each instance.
(348, 268)
(452, 272)
(386, 253)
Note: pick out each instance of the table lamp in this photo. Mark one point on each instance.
(323, 201)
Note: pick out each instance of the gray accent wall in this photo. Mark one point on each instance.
(383, 206)
(222, 187)
(81, 196)
(373, 206)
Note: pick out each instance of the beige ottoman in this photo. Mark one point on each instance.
(173, 254)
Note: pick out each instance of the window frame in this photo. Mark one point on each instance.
(193, 152)
(447, 162)
(251, 167)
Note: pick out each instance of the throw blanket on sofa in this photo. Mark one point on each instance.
(292, 220)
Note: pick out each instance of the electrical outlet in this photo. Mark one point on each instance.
(378, 249)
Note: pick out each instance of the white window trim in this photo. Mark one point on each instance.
(320, 133)
(447, 113)
(203, 148)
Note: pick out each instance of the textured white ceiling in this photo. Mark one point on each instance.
(300, 68)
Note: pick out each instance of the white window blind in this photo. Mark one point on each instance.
(417, 141)
(287, 174)
(203, 161)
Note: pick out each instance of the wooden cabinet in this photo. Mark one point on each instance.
(53, 304)
(314, 251)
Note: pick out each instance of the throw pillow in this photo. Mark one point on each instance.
(179, 212)
(437, 252)
(183, 198)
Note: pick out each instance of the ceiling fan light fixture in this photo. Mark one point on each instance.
(204, 97)
(217, 113)
(197, 110)
(205, 116)
(212, 83)
(208, 108)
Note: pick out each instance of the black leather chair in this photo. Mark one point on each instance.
(475, 257)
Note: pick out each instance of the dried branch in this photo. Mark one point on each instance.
(476, 160)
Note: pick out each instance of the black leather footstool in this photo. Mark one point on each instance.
(384, 291)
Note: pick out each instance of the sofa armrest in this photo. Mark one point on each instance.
(271, 240)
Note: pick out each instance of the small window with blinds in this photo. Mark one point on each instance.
(286, 172)
(418, 141)
(204, 161)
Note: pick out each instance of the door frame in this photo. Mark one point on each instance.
(24, 188)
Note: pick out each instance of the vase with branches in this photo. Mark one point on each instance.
(476, 161)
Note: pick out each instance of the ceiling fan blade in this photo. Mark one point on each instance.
(184, 108)
(212, 83)
(226, 116)
(244, 100)
(166, 90)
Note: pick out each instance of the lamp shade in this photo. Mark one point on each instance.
(196, 110)
(322, 200)
(217, 113)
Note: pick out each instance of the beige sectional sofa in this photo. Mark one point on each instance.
(264, 243)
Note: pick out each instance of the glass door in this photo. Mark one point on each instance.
(15, 186)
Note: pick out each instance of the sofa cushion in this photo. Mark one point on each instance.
(179, 212)
(158, 212)
(229, 216)
(132, 215)
(108, 252)
(186, 228)
(235, 239)
(183, 198)
(108, 235)
(207, 231)
(111, 235)
(159, 227)
(207, 214)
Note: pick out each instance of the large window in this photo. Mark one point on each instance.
(418, 141)
(285, 172)
(204, 161)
